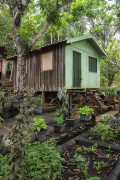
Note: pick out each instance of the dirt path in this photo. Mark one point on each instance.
(6, 126)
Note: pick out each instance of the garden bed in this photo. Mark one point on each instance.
(89, 139)
(70, 132)
(82, 162)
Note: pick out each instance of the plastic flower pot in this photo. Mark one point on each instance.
(59, 128)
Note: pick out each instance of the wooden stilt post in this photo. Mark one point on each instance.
(43, 95)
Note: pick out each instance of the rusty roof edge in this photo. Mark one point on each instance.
(39, 48)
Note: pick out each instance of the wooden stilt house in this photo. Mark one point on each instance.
(73, 64)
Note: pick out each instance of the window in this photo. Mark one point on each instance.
(92, 64)
(47, 63)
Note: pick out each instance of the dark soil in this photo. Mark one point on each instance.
(72, 172)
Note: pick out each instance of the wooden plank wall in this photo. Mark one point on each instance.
(46, 80)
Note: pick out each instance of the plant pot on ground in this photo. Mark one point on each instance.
(85, 113)
(59, 126)
(39, 104)
(40, 129)
(70, 120)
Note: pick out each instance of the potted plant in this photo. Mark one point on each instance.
(71, 121)
(85, 113)
(59, 126)
(40, 128)
(39, 104)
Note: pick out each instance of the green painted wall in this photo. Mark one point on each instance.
(89, 79)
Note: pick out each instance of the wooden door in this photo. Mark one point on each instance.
(76, 69)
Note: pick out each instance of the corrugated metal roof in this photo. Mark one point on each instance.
(72, 40)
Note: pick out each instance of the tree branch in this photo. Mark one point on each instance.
(45, 27)
(40, 33)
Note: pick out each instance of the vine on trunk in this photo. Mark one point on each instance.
(20, 138)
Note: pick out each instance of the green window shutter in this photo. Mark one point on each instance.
(92, 64)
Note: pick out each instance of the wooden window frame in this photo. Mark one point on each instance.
(92, 64)
(48, 57)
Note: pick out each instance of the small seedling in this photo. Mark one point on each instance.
(90, 149)
(98, 165)
(82, 164)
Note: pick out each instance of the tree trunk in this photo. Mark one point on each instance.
(20, 79)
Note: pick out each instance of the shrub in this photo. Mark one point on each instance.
(44, 162)
(105, 118)
(105, 132)
(4, 167)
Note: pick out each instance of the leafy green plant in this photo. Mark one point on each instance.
(59, 119)
(93, 178)
(98, 165)
(105, 118)
(39, 124)
(90, 149)
(39, 100)
(111, 92)
(44, 161)
(4, 167)
(1, 119)
(82, 164)
(105, 132)
(85, 111)
(20, 137)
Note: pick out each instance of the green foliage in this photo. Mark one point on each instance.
(105, 132)
(93, 178)
(98, 165)
(39, 124)
(82, 164)
(111, 92)
(39, 101)
(20, 137)
(50, 10)
(85, 150)
(4, 167)
(6, 29)
(106, 118)
(45, 162)
(111, 70)
(1, 119)
(85, 111)
(59, 119)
